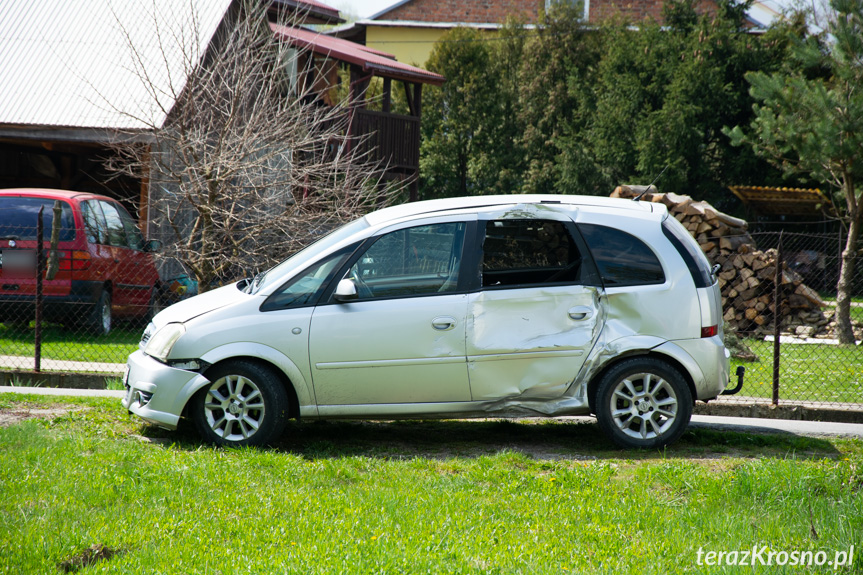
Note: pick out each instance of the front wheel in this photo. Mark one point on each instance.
(155, 305)
(643, 403)
(245, 404)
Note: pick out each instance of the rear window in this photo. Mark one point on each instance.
(622, 259)
(18, 218)
(697, 264)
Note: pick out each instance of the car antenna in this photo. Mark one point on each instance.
(638, 197)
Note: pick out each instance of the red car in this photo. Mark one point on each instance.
(105, 267)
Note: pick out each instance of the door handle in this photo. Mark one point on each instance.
(581, 312)
(443, 323)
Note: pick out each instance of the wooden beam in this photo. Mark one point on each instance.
(359, 86)
(144, 199)
(388, 89)
(409, 97)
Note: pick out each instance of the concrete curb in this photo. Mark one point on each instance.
(67, 392)
(54, 379)
(760, 410)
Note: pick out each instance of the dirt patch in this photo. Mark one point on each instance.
(17, 415)
(87, 557)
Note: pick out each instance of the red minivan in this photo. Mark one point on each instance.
(105, 268)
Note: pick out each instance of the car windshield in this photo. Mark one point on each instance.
(303, 257)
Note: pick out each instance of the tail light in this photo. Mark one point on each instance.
(74, 260)
(709, 331)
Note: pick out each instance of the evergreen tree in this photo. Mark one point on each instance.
(809, 121)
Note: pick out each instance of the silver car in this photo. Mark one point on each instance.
(490, 306)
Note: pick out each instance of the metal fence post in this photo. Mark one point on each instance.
(777, 305)
(40, 266)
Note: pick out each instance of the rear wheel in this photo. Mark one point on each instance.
(643, 403)
(98, 322)
(245, 404)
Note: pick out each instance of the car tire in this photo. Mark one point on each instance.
(98, 322)
(245, 403)
(643, 403)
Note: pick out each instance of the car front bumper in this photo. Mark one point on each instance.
(156, 392)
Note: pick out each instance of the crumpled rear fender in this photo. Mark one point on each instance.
(606, 354)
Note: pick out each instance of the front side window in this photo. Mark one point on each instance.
(133, 233)
(622, 259)
(529, 252)
(415, 261)
(306, 288)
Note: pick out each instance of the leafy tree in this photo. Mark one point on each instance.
(556, 98)
(809, 121)
(469, 128)
(574, 109)
(661, 97)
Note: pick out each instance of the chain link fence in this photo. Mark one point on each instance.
(779, 299)
(78, 304)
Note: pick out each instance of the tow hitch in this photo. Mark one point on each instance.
(740, 372)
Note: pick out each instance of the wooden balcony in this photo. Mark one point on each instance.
(393, 139)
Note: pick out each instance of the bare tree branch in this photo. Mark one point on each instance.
(250, 165)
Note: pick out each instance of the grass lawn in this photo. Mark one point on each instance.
(410, 497)
(806, 372)
(68, 345)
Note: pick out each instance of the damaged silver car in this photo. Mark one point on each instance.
(490, 306)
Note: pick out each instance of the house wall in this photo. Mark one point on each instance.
(473, 11)
(412, 45)
(636, 10)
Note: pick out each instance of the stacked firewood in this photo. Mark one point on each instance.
(747, 276)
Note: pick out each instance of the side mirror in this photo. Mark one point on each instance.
(345, 291)
(152, 246)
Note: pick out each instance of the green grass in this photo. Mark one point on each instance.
(62, 344)
(411, 497)
(806, 372)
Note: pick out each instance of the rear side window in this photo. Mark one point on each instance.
(18, 218)
(622, 259)
(116, 230)
(688, 250)
(530, 252)
(94, 222)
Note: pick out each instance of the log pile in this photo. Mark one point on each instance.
(747, 275)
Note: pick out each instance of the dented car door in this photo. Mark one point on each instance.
(538, 313)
